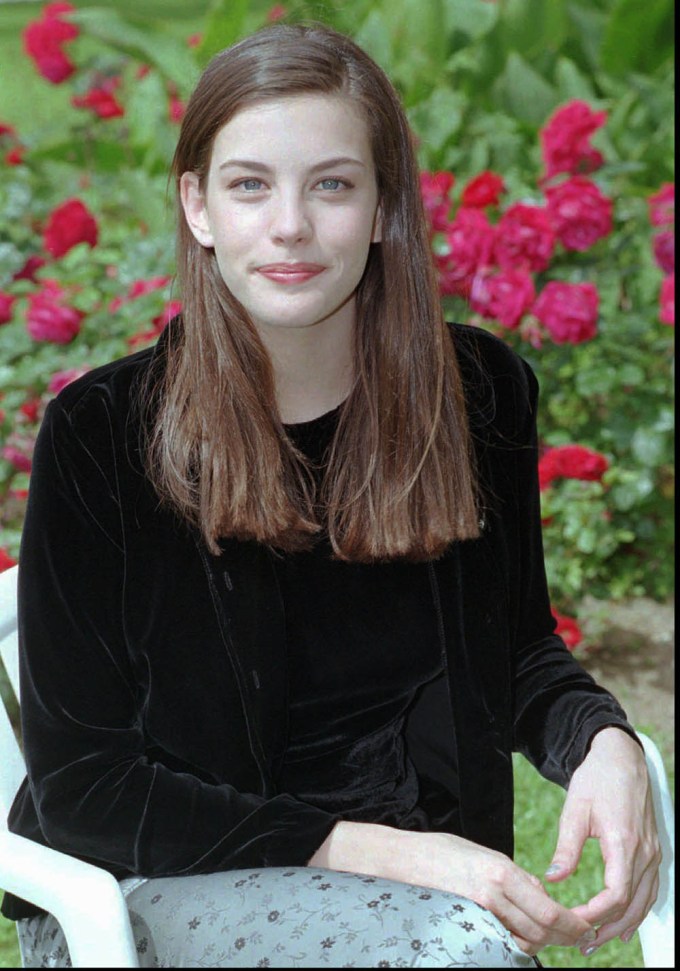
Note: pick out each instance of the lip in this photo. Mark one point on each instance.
(290, 272)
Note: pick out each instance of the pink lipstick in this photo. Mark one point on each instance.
(290, 273)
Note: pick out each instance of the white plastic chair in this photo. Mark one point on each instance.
(86, 900)
(90, 907)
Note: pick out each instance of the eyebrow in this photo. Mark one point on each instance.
(254, 166)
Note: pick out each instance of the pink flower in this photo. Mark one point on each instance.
(20, 460)
(69, 224)
(6, 560)
(277, 12)
(483, 190)
(662, 205)
(667, 300)
(60, 379)
(664, 250)
(568, 311)
(44, 40)
(566, 139)
(571, 462)
(138, 289)
(525, 238)
(568, 629)
(6, 301)
(579, 212)
(49, 319)
(471, 239)
(176, 109)
(30, 268)
(504, 296)
(101, 100)
(435, 188)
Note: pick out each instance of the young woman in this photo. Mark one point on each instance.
(283, 605)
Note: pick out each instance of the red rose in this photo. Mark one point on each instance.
(568, 311)
(49, 319)
(483, 190)
(568, 629)
(6, 560)
(176, 109)
(277, 12)
(565, 139)
(667, 300)
(101, 100)
(571, 462)
(435, 188)
(171, 309)
(6, 130)
(662, 205)
(69, 224)
(6, 301)
(138, 289)
(30, 268)
(471, 239)
(20, 460)
(60, 379)
(504, 296)
(44, 40)
(525, 238)
(30, 409)
(664, 250)
(579, 212)
(16, 155)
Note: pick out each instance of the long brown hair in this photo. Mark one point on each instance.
(399, 480)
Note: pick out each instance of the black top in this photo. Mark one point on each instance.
(361, 640)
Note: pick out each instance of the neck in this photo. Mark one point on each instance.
(313, 366)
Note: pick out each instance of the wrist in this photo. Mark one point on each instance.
(361, 848)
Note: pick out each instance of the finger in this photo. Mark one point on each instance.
(574, 830)
(611, 903)
(631, 920)
(530, 913)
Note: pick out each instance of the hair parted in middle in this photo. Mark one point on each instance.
(400, 481)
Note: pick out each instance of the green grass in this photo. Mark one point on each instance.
(538, 806)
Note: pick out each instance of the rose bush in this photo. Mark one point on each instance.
(546, 157)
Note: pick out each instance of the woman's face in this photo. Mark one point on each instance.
(290, 207)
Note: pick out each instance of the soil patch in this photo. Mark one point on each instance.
(635, 660)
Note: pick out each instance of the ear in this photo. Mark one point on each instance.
(195, 213)
(376, 236)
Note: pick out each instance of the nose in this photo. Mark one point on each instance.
(290, 219)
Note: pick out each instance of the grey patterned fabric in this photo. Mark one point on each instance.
(301, 917)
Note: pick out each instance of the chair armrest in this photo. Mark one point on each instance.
(86, 900)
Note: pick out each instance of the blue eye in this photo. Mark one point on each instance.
(249, 185)
(332, 184)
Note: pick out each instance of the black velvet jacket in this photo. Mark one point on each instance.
(153, 673)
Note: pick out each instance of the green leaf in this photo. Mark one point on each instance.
(533, 27)
(648, 446)
(523, 92)
(470, 17)
(224, 25)
(439, 117)
(170, 56)
(571, 82)
(638, 36)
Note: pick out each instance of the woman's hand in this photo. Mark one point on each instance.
(454, 864)
(609, 799)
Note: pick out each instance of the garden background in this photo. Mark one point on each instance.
(545, 132)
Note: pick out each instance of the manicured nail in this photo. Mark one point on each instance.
(587, 938)
(552, 869)
(589, 951)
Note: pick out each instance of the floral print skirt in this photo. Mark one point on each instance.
(300, 917)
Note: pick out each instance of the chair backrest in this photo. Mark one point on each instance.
(12, 768)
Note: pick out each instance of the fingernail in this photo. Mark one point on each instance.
(589, 951)
(587, 938)
(552, 869)
(626, 936)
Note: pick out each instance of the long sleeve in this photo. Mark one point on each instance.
(97, 791)
(558, 707)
